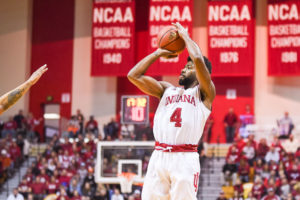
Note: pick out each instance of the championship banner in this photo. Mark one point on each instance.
(161, 14)
(113, 37)
(284, 37)
(231, 37)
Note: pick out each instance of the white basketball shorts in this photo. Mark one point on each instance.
(172, 176)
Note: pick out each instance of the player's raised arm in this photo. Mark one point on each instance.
(10, 98)
(203, 76)
(146, 83)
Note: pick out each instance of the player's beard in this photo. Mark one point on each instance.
(185, 81)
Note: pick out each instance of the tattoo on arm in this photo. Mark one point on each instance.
(12, 97)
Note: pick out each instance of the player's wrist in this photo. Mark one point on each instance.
(157, 53)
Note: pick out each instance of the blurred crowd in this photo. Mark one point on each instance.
(66, 168)
(258, 170)
(111, 131)
(237, 124)
(66, 171)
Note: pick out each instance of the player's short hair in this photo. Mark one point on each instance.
(206, 61)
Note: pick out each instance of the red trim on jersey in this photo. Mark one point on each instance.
(176, 148)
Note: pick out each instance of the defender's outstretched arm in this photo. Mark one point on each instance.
(146, 83)
(203, 76)
(10, 98)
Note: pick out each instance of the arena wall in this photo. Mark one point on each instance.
(15, 34)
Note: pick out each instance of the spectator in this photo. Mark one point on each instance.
(87, 190)
(272, 183)
(272, 155)
(62, 194)
(6, 161)
(20, 119)
(111, 129)
(230, 121)
(239, 187)
(246, 119)
(296, 191)
(258, 167)
(240, 143)
(222, 196)
(76, 196)
(30, 197)
(250, 138)
(243, 171)
(233, 154)
(80, 119)
(73, 127)
(291, 144)
(258, 188)
(38, 189)
(52, 186)
(64, 178)
(9, 128)
(44, 178)
(262, 148)
(31, 123)
(249, 152)
(265, 174)
(277, 145)
(237, 196)
(285, 189)
(24, 188)
(285, 126)
(82, 171)
(137, 194)
(92, 126)
(293, 174)
(26, 148)
(74, 186)
(229, 173)
(127, 130)
(15, 195)
(117, 195)
(20, 142)
(101, 193)
(271, 195)
(90, 178)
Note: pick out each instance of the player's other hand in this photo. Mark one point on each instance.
(181, 30)
(37, 74)
(165, 53)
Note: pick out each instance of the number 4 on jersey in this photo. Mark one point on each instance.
(176, 117)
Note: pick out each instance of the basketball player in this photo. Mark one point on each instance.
(10, 98)
(173, 170)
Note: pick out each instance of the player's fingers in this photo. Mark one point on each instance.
(172, 56)
(43, 67)
(174, 24)
(46, 69)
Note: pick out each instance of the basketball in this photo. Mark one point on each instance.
(169, 39)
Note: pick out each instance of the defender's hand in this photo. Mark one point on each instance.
(37, 74)
(165, 53)
(181, 30)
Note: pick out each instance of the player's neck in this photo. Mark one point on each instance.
(191, 85)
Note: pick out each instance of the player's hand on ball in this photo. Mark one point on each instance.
(165, 53)
(37, 74)
(182, 32)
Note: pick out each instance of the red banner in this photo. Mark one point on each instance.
(113, 37)
(162, 13)
(231, 37)
(284, 37)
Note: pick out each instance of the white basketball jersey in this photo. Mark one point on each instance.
(180, 117)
